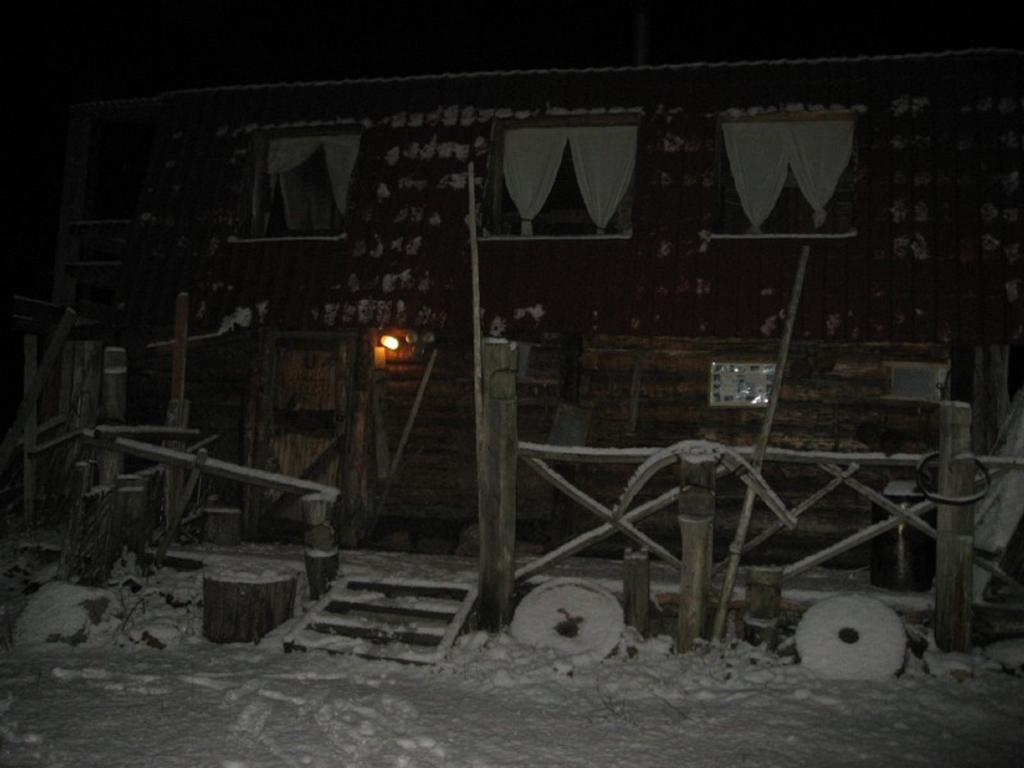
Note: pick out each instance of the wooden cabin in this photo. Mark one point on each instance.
(639, 230)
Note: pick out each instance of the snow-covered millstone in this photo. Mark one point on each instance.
(573, 617)
(851, 637)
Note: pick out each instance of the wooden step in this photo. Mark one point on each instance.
(401, 619)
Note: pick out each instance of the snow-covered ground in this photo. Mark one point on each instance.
(142, 688)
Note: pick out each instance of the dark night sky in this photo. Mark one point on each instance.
(105, 51)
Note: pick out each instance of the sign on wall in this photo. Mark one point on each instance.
(746, 384)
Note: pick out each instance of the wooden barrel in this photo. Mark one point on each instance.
(243, 603)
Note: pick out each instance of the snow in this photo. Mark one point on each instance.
(146, 689)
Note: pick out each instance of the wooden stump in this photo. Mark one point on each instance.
(241, 604)
(223, 525)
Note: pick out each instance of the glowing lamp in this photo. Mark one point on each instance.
(389, 342)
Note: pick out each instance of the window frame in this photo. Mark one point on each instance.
(259, 194)
(495, 189)
(720, 232)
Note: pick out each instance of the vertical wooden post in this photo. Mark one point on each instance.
(114, 393)
(636, 589)
(174, 477)
(321, 544)
(696, 529)
(113, 404)
(358, 506)
(954, 548)
(180, 347)
(86, 377)
(496, 476)
(81, 483)
(31, 425)
(764, 597)
(129, 513)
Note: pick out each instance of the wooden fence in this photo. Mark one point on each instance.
(952, 499)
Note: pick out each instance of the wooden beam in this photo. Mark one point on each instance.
(954, 589)
(636, 590)
(174, 516)
(497, 485)
(214, 467)
(180, 353)
(32, 392)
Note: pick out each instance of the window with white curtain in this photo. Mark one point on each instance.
(301, 184)
(790, 173)
(552, 178)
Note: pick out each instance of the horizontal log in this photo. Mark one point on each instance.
(214, 467)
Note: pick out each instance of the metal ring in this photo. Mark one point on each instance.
(956, 501)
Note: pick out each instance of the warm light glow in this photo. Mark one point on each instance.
(389, 342)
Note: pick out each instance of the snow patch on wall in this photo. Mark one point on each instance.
(498, 326)
(240, 318)
(383, 193)
(331, 314)
(262, 307)
(536, 312)
(393, 281)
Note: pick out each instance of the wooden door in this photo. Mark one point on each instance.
(305, 406)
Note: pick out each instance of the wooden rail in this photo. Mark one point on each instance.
(841, 466)
(214, 467)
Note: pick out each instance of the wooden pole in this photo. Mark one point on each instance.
(496, 478)
(636, 590)
(31, 424)
(31, 396)
(321, 552)
(954, 592)
(764, 597)
(129, 513)
(180, 348)
(113, 405)
(86, 378)
(736, 548)
(696, 528)
(478, 396)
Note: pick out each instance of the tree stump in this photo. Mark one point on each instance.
(243, 603)
(223, 525)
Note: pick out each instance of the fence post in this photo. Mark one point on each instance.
(696, 528)
(113, 405)
(129, 514)
(636, 589)
(954, 546)
(496, 476)
(764, 597)
(321, 544)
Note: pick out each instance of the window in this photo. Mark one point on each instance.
(786, 174)
(916, 381)
(301, 185)
(563, 179)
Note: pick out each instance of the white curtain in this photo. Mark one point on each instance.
(760, 154)
(340, 153)
(603, 158)
(819, 153)
(307, 205)
(530, 163)
(757, 153)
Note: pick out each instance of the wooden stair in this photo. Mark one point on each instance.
(403, 620)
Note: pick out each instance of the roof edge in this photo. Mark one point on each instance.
(585, 70)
